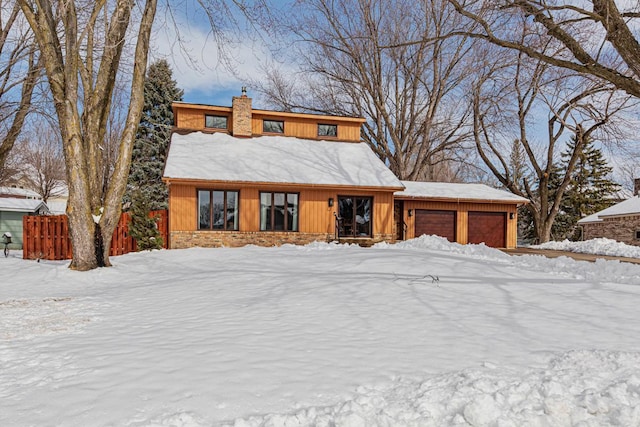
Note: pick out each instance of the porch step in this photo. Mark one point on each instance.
(365, 242)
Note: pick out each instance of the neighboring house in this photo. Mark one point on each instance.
(619, 222)
(12, 210)
(18, 193)
(238, 176)
(463, 213)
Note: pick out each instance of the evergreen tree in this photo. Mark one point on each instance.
(142, 226)
(152, 137)
(590, 190)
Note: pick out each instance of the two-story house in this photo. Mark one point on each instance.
(238, 175)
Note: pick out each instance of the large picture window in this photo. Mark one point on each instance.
(217, 210)
(355, 216)
(279, 211)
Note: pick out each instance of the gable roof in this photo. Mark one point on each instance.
(19, 193)
(457, 191)
(10, 204)
(628, 207)
(275, 159)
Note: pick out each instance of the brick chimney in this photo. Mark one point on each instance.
(636, 186)
(241, 106)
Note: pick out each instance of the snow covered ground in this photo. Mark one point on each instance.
(421, 333)
(600, 246)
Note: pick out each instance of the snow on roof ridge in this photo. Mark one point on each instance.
(630, 206)
(456, 190)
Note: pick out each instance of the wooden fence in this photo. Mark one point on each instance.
(47, 237)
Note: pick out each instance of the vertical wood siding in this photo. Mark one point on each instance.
(315, 215)
(308, 128)
(462, 222)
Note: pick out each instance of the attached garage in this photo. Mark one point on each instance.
(462, 213)
(488, 228)
(440, 223)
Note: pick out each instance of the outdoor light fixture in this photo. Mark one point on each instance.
(410, 212)
(330, 201)
(511, 215)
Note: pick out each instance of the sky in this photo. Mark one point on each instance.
(419, 333)
(194, 56)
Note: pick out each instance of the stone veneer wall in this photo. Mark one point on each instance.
(623, 229)
(214, 239)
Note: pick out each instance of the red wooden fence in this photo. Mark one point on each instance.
(47, 237)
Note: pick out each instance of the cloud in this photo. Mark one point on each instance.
(203, 68)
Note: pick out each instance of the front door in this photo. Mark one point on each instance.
(355, 216)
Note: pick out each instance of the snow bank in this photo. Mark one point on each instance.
(601, 246)
(590, 388)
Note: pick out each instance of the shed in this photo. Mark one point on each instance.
(462, 213)
(11, 212)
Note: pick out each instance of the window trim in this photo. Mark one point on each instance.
(274, 121)
(327, 136)
(211, 191)
(217, 116)
(272, 208)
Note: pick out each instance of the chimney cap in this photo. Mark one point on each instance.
(244, 91)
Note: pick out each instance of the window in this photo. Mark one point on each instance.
(217, 210)
(216, 122)
(328, 130)
(278, 212)
(355, 216)
(637, 234)
(272, 126)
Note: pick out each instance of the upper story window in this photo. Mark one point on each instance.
(272, 126)
(328, 130)
(216, 122)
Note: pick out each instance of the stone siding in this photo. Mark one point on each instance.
(215, 239)
(623, 229)
(241, 116)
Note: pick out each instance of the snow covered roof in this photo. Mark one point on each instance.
(12, 204)
(19, 192)
(275, 159)
(457, 191)
(627, 207)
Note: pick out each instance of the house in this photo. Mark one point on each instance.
(462, 213)
(619, 222)
(238, 175)
(12, 209)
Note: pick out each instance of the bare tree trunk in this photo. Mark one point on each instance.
(93, 212)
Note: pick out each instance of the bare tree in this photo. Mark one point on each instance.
(410, 94)
(18, 76)
(596, 36)
(508, 101)
(43, 161)
(69, 35)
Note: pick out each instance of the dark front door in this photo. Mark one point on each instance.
(440, 223)
(355, 216)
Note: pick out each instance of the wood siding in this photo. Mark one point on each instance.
(462, 220)
(190, 116)
(308, 127)
(315, 215)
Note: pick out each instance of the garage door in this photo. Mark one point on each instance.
(488, 228)
(440, 223)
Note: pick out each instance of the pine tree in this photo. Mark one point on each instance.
(152, 137)
(142, 226)
(589, 191)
